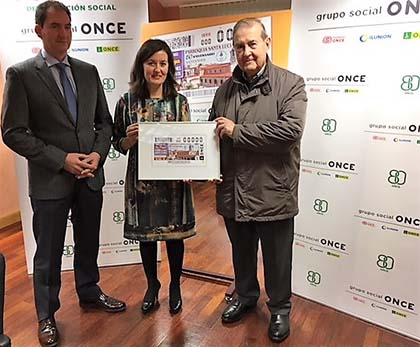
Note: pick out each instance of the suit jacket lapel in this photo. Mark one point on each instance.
(47, 77)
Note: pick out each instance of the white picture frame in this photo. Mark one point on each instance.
(178, 150)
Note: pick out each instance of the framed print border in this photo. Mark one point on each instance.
(178, 150)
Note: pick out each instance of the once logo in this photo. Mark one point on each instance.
(108, 83)
(68, 250)
(408, 220)
(109, 49)
(329, 125)
(341, 165)
(395, 7)
(113, 154)
(408, 35)
(397, 177)
(385, 262)
(313, 277)
(333, 244)
(352, 78)
(104, 28)
(414, 128)
(398, 302)
(118, 217)
(321, 205)
(410, 83)
(130, 242)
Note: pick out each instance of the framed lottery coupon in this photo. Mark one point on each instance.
(178, 150)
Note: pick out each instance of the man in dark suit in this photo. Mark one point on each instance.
(55, 115)
(260, 115)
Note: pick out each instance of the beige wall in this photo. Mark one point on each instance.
(8, 184)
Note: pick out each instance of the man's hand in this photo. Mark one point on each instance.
(92, 159)
(224, 127)
(82, 165)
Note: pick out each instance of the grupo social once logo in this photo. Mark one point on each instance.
(410, 83)
(329, 125)
(385, 262)
(68, 250)
(313, 277)
(397, 177)
(118, 217)
(108, 84)
(321, 206)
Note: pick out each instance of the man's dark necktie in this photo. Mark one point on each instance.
(68, 91)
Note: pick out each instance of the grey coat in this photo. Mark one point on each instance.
(37, 124)
(260, 164)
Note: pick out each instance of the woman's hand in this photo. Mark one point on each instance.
(131, 139)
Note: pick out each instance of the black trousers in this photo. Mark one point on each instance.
(49, 227)
(276, 243)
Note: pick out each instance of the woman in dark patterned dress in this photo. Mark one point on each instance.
(154, 210)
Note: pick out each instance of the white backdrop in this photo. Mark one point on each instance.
(107, 34)
(357, 237)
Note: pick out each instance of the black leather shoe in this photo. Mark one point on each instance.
(48, 335)
(175, 301)
(279, 328)
(148, 306)
(175, 306)
(103, 302)
(151, 299)
(235, 311)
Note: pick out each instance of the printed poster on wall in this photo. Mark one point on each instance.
(204, 60)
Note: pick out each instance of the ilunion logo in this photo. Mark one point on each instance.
(118, 217)
(410, 83)
(320, 206)
(329, 125)
(397, 177)
(385, 262)
(313, 277)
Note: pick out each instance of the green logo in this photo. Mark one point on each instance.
(68, 250)
(118, 217)
(385, 262)
(397, 177)
(108, 84)
(107, 49)
(329, 125)
(410, 83)
(113, 154)
(313, 277)
(408, 35)
(320, 206)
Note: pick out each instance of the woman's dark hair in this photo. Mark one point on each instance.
(138, 84)
(42, 9)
